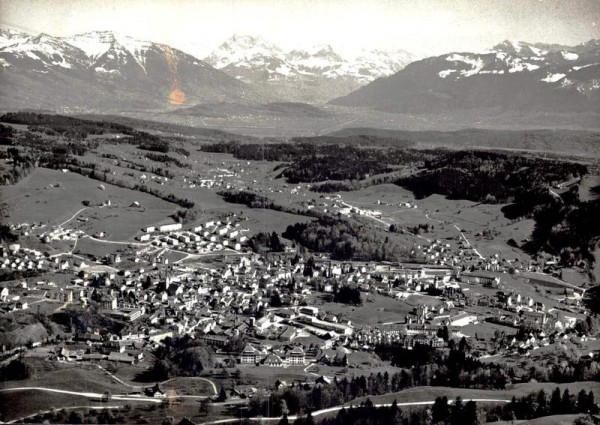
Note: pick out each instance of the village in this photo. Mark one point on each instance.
(278, 304)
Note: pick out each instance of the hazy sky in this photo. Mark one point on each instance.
(420, 26)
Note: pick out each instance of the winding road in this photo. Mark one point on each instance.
(138, 387)
(461, 234)
(82, 394)
(468, 243)
(74, 215)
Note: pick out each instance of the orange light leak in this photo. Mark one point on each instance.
(177, 96)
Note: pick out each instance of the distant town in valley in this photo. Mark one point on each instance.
(265, 235)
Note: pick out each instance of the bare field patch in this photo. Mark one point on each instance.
(376, 309)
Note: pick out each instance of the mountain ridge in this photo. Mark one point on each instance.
(513, 76)
(103, 70)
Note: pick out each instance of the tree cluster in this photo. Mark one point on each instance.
(16, 370)
(347, 295)
(66, 126)
(536, 405)
(179, 356)
(262, 242)
(474, 175)
(166, 159)
(346, 239)
(325, 158)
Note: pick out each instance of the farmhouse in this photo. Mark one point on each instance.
(480, 276)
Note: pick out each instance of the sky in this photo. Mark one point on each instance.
(423, 27)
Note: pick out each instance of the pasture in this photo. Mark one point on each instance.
(53, 197)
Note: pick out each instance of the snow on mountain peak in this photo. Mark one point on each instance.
(570, 56)
(9, 36)
(251, 53)
(243, 51)
(248, 42)
(46, 50)
(97, 43)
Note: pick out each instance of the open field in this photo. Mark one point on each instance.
(475, 219)
(388, 193)
(546, 420)
(188, 386)
(267, 376)
(127, 372)
(486, 330)
(78, 377)
(263, 220)
(518, 390)
(34, 200)
(23, 403)
(380, 309)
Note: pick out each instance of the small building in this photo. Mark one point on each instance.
(156, 391)
(119, 357)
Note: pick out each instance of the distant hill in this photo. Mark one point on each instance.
(558, 141)
(163, 127)
(229, 110)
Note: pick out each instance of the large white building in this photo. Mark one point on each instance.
(170, 227)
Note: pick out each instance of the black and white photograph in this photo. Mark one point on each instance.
(300, 212)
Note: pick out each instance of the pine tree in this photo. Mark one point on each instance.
(567, 403)
(457, 412)
(591, 404)
(542, 404)
(471, 414)
(555, 402)
(582, 399)
(309, 419)
(222, 395)
(284, 420)
(439, 410)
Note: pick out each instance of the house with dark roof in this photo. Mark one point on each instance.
(156, 391)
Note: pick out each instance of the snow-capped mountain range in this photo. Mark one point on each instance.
(107, 71)
(512, 75)
(313, 75)
(247, 52)
(104, 71)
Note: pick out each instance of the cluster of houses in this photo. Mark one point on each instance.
(211, 236)
(15, 258)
